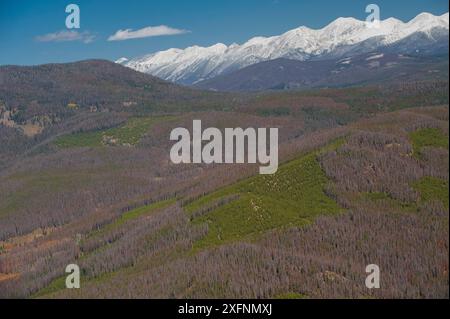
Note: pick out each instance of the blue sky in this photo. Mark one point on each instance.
(26, 26)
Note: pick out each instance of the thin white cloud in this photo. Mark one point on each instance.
(147, 32)
(66, 36)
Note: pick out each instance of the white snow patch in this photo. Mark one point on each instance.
(374, 57)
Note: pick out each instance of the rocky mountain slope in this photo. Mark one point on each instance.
(371, 68)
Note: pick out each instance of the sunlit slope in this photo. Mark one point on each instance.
(291, 197)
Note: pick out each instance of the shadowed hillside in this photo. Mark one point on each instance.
(373, 68)
(60, 90)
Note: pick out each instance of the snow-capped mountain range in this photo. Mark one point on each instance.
(343, 37)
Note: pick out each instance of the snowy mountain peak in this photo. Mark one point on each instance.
(344, 23)
(342, 37)
(425, 19)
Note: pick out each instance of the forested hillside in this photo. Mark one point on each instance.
(361, 168)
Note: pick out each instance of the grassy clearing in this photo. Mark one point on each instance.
(291, 197)
(54, 286)
(385, 200)
(377, 196)
(127, 134)
(85, 139)
(428, 137)
(133, 214)
(433, 189)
